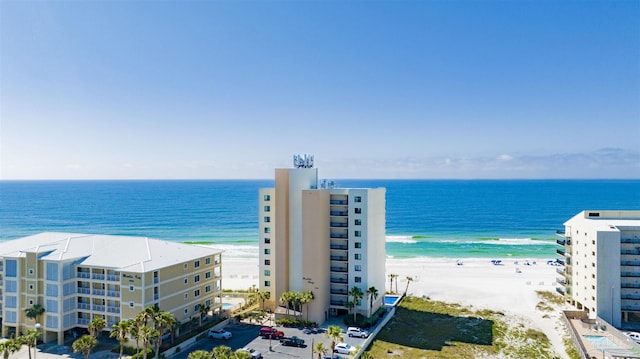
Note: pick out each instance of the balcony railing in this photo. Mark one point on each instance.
(630, 296)
(560, 290)
(98, 308)
(339, 269)
(629, 274)
(113, 293)
(340, 303)
(561, 281)
(339, 291)
(339, 224)
(85, 306)
(560, 261)
(83, 321)
(630, 240)
(156, 296)
(156, 280)
(113, 278)
(337, 201)
(338, 235)
(98, 276)
(82, 290)
(560, 271)
(560, 251)
(561, 242)
(629, 285)
(338, 280)
(339, 213)
(98, 292)
(630, 251)
(83, 275)
(113, 310)
(339, 246)
(630, 263)
(339, 258)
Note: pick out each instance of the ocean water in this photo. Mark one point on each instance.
(434, 218)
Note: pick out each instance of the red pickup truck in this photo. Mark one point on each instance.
(271, 333)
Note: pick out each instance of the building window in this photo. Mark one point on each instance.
(186, 281)
(186, 296)
(130, 288)
(267, 251)
(196, 264)
(30, 303)
(357, 279)
(207, 275)
(357, 256)
(30, 286)
(267, 283)
(196, 307)
(267, 230)
(207, 289)
(358, 210)
(267, 240)
(208, 303)
(357, 222)
(196, 293)
(267, 273)
(267, 197)
(196, 278)
(358, 234)
(11, 267)
(131, 304)
(358, 268)
(267, 219)
(30, 271)
(186, 311)
(185, 266)
(267, 262)
(357, 199)
(207, 261)
(267, 208)
(358, 244)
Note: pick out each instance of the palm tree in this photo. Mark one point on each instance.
(295, 300)
(221, 352)
(30, 339)
(285, 299)
(162, 321)
(147, 313)
(409, 280)
(147, 335)
(372, 292)
(366, 355)
(334, 332)
(240, 354)
(320, 349)
(34, 312)
(96, 325)
(307, 297)
(9, 347)
(84, 345)
(119, 331)
(204, 311)
(263, 295)
(391, 278)
(357, 294)
(134, 330)
(200, 354)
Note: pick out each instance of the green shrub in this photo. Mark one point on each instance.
(294, 323)
(150, 354)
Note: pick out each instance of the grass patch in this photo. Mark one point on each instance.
(570, 348)
(423, 328)
(550, 297)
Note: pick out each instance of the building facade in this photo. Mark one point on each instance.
(322, 239)
(78, 277)
(601, 256)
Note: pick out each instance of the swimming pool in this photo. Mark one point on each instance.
(227, 306)
(601, 342)
(391, 300)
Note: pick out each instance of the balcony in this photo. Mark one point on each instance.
(560, 290)
(98, 292)
(630, 296)
(98, 276)
(634, 251)
(339, 224)
(560, 261)
(85, 306)
(339, 269)
(630, 274)
(339, 213)
(156, 296)
(83, 321)
(630, 240)
(339, 280)
(338, 303)
(561, 281)
(83, 275)
(98, 308)
(156, 280)
(339, 258)
(560, 251)
(82, 290)
(561, 271)
(113, 278)
(339, 246)
(339, 235)
(113, 310)
(113, 293)
(629, 285)
(337, 201)
(339, 292)
(561, 242)
(630, 263)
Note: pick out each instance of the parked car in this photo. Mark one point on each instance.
(270, 333)
(219, 334)
(633, 336)
(344, 348)
(254, 353)
(292, 342)
(357, 332)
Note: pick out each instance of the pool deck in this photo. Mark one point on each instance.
(627, 348)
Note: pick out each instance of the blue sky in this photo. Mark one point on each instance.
(402, 89)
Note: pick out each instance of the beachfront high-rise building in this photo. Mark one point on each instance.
(601, 256)
(78, 277)
(320, 238)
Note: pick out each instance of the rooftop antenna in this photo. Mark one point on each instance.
(303, 161)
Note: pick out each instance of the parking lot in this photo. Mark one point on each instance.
(246, 335)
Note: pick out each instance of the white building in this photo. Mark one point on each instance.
(321, 239)
(601, 275)
(78, 277)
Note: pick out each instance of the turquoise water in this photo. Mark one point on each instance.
(391, 299)
(436, 218)
(601, 342)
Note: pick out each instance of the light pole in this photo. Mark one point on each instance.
(35, 344)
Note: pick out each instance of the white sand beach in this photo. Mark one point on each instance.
(508, 287)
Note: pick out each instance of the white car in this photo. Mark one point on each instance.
(219, 334)
(344, 348)
(357, 332)
(633, 336)
(254, 353)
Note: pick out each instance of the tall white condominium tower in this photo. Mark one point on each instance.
(601, 256)
(321, 239)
